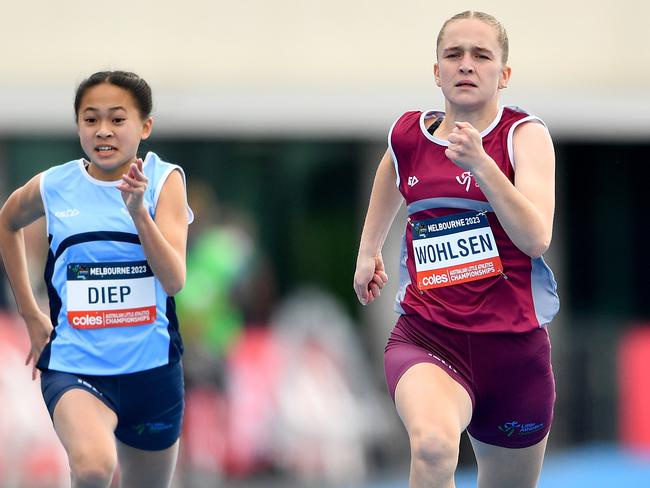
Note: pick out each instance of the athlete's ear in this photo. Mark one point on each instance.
(147, 126)
(505, 77)
(436, 73)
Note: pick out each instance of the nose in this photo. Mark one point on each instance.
(466, 66)
(104, 130)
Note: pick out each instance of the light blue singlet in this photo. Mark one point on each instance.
(110, 313)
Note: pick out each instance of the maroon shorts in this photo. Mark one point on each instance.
(507, 375)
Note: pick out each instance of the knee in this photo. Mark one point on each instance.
(435, 451)
(93, 469)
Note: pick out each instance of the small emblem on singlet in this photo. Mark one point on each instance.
(466, 179)
(412, 181)
(64, 214)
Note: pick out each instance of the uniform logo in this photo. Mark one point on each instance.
(89, 386)
(70, 212)
(413, 180)
(466, 179)
(151, 427)
(514, 427)
(79, 271)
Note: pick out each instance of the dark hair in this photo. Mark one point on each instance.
(136, 86)
(502, 36)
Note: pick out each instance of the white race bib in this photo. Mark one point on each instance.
(104, 295)
(454, 249)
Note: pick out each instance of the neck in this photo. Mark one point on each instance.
(101, 174)
(480, 119)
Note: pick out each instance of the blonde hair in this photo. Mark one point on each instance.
(502, 35)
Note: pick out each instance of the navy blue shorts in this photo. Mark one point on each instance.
(148, 404)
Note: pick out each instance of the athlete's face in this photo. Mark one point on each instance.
(110, 130)
(470, 70)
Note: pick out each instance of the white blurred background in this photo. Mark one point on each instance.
(278, 111)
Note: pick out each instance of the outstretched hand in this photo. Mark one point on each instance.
(133, 185)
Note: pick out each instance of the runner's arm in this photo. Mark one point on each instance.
(23, 207)
(164, 238)
(385, 201)
(525, 209)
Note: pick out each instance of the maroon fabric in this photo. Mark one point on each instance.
(508, 376)
(493, 304)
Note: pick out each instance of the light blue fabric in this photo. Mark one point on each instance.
(87, 222)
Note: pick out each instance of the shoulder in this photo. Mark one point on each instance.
(521, 126)
(167, 182)
(406, 121)
(155, 163)
(407, 126)
(513, 116)
(61, 172)
(158, 170)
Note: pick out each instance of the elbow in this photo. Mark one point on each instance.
(173, 286)
(536, 249)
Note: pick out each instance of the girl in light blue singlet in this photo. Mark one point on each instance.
(109, 353)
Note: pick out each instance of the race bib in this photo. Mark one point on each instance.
(454, 249)
(102, 295)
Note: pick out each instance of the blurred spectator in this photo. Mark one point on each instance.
(329, 413)
(30, 454)
(219, 252)
(229, 286)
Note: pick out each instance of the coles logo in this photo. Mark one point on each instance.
(434, 279)
(87, 320)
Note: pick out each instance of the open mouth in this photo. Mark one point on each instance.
(104, 149)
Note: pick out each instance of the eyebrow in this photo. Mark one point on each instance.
(473, 48)
(112, 109)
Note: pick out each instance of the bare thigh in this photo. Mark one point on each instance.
(426, 395)
(146, 469)
(500, 467)
(435, 409)
(85, 427)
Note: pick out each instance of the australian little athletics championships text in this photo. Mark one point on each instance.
(124, 318)
(471, 271)
(99, 320)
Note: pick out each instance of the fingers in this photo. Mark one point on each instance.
(135, 174)
(31, 356)
(382, 276)
(459, 129)
(367, 292)
(463, 125)
(134, 181)
(135, 178)
(465, 145)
